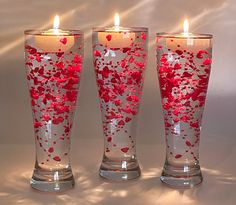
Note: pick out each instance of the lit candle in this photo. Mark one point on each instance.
(187, 41)
(54, 40)
(117, 36)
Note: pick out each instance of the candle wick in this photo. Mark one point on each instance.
(186, 34)
(56, 31)
(116, 28)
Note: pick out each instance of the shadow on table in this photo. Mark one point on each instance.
(91, 189)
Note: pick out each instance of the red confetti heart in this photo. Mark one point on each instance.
(51, 150)
(97, 53)
(56, 158)
(124, 149)
(63, 40)
(178, 156)
(108, 37)
(188, 143)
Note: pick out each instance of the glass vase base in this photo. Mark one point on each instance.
(52, 181)
(184, 177)
(119, 170)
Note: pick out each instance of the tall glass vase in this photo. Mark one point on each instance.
(53, 67)
(119, 62)
(183, 66)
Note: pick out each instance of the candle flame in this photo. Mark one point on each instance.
(56, 22)
(116, 20)
(186, 27)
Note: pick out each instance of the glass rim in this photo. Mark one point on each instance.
(178, 35)
(122, 29)
(68, 32)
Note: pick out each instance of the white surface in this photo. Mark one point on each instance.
(218, 187)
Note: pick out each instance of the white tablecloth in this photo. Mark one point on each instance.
(217, 162)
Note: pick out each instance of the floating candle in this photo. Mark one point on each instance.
(117, 36)
(54, 40)
(187, 41)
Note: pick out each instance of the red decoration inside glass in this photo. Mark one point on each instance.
(119, 61)
(53, 67)
(183, 66)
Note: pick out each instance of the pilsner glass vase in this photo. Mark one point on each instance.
(119, 62)
(183, 66)
(53, 67)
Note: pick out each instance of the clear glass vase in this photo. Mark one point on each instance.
(183, 66)
(119, 61)
(53, 67)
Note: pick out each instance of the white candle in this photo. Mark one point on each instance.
(116, 37)
(187, 41)
(54, 40)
